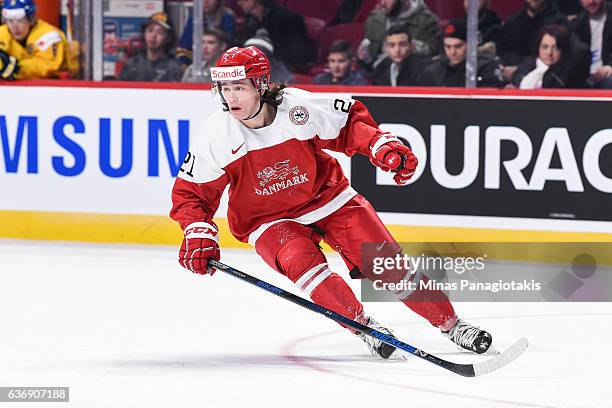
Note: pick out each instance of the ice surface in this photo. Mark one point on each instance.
(127, 327)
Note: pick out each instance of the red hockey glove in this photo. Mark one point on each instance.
(199, 245)
(390, 154)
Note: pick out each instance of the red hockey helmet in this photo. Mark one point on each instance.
(242, 63)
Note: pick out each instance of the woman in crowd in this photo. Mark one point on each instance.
(561, 61)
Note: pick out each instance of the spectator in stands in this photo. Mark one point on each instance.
(489, 27)
(561, 61)
(340, 65)
(450, 69)
(422, 24)
(214, 42)
(401, 67)
(279, 72)
(594, 28)
(30, 48)
(569, 8)
(155, 62)
(286, 28)
(216, 16)
(347, 12)
(520, 32)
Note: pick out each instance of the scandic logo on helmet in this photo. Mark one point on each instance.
(227, 73)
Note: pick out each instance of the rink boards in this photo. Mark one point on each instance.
(95, 163)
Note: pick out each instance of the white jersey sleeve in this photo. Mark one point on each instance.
(200, 166)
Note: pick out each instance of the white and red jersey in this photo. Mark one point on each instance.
(277, 172)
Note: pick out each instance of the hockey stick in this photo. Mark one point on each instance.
(466, 370)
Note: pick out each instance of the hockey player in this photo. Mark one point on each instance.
(30, 48)
(286, 194)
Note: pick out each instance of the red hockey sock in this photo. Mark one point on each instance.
(304, 263)
(335, 294)
(329, 290)
(433, 305)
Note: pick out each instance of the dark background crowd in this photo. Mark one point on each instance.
(526, 44)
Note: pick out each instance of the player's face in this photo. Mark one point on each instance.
(548, 51)
(155, 37)
(242, 98)
(19, 27)
(398, 47)
(592, 6)
(211, 47)
(454, 49)
(338, 64)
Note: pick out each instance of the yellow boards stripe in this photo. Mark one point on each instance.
(161, 230)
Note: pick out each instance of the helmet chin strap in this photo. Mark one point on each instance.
(261, 104)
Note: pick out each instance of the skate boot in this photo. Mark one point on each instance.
(376, 346)
(469, 337)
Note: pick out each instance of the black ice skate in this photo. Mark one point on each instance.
(376, 346)
(469, 337)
